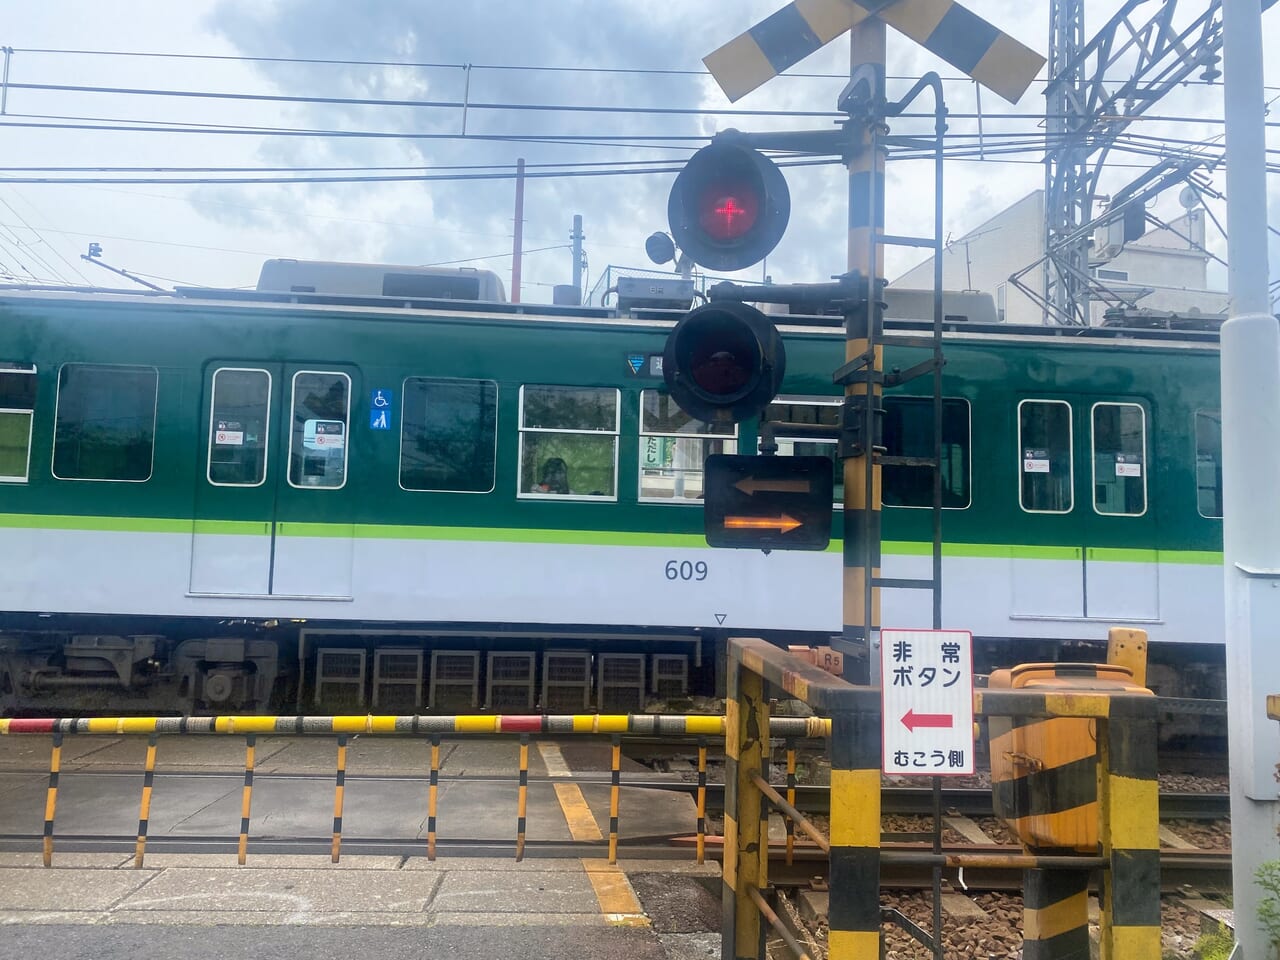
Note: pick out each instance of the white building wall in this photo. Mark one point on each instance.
(1160, 261)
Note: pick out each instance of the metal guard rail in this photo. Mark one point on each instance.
(1127, 803)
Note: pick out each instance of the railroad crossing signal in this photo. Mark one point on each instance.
(723, 362)
(944, 27)
(768, 503)
(728, 207)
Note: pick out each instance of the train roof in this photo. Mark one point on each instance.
(1148, 331)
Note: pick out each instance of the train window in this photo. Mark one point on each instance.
(448, 435)
(17, 409)
(673, 448)
(908, 432)
(1046, 466)
(1209, 463)
(569, 442)
(796, 443)
(1119, 459)
(105, 422)
(239, 414)
(318, 438)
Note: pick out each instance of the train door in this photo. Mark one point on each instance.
(273, 509)
(1121, 577)
(1084, 484)
(1047, 557)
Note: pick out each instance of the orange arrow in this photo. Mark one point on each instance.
(782, 524)
(750, 485)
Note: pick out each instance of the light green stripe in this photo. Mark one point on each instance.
(44, 521)
(367, 531)
(1124, 555)
(244, 528)
(612, 538)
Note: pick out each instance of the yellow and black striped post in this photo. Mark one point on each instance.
(144, 811)
(615, 785)
(863, 335)
(246, 799)
(702, 799)
(339, 786)
(854, 911)
(522, 799)
(1128, 801)
(746, 856)
(433, 791)
(51, 798)
(1055, 914)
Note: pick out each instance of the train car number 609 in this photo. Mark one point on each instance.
(686, 570)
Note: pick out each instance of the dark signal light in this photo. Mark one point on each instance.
(729, 206)
(724, 362)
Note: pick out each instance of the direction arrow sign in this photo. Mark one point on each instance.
(927, 697)
(944, 27)
(769, 503)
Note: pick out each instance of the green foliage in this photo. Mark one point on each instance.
(1214, 946)
(1268, 878)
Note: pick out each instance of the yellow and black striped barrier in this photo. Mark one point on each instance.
(854, 847)
(433, 728)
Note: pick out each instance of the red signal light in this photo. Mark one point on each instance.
(727, 214)
(729, 206)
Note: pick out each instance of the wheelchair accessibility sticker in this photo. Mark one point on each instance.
(380, 410)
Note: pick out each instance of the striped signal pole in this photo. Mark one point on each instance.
(863, 329)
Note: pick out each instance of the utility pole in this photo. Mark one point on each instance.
(518, 246)
(577, 239)
(1250, 464)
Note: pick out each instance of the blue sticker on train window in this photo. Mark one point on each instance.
(380, 409)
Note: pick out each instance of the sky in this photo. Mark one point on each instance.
(625, 73)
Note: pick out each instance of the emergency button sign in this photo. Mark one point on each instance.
(927, 702)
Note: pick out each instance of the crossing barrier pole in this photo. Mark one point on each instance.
(340, 780)
(246, 800)
(51, 798)
(1055, 914)
(615, 783)
(433, 791)
(702, 799)
(1129, 827)
(745, 849)
(144, 811)
(791, 798)
(522, 801)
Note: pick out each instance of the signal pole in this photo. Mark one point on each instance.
(863, 329)
(1250, 463)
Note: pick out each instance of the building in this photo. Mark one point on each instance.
(1165, 270)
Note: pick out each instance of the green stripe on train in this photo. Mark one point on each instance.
(610, 538)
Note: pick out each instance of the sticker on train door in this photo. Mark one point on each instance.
(380, 409)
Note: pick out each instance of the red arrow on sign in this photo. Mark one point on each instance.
(911, 720)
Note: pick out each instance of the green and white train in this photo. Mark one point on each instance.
(380, 499)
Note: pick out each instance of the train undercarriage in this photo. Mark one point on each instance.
(83, 666)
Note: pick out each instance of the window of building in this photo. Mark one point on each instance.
(105, 422)
(1102, 273)
(239, 418)
(321, 412)
(569, 442)
(908, 432)
(1209, 463)
(448, 435)
(817, 413)
(1044, 445)
(1119, 459)
(673, 448)
(17, 408)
